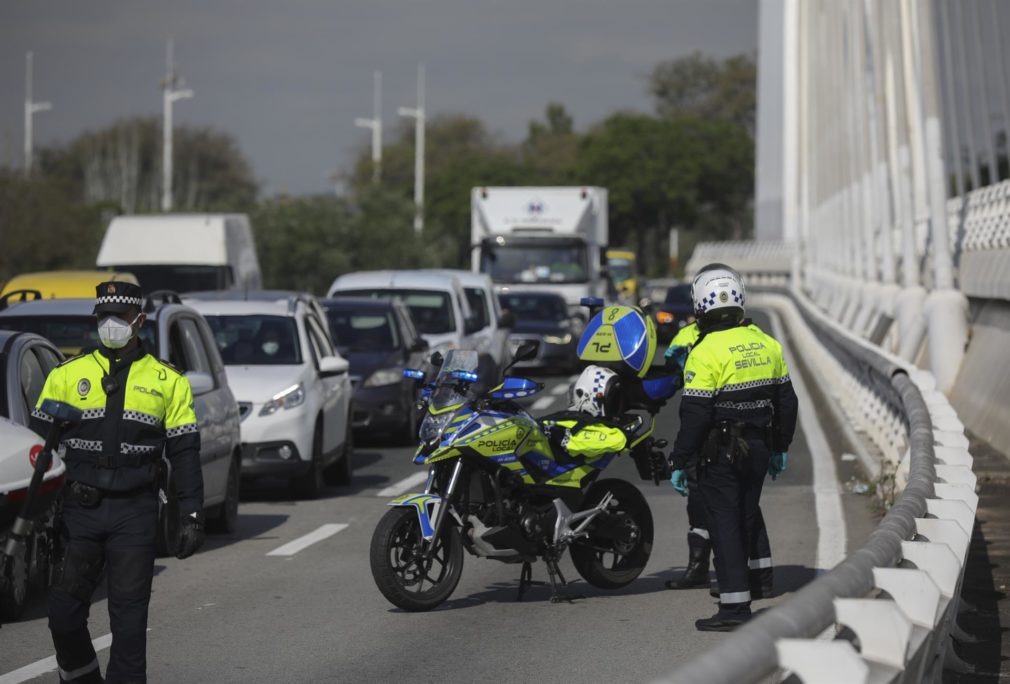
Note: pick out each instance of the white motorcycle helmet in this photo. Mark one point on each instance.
(597, 392)
(718, 292)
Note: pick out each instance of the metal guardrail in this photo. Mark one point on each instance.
(979, 225)
(898, 593)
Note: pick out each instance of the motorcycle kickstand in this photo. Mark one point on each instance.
(558, 596)
(525, 579)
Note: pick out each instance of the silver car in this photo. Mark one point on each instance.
(177, 334)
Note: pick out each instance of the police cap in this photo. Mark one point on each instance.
(117, 298)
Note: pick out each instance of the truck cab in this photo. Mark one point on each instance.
(551, 239)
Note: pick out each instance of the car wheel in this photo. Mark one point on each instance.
(310, 485)
(227, 518)
(341, 472)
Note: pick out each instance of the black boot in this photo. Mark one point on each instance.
(722, 622)
(696, 573)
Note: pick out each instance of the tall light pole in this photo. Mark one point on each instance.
(170, 94)
(31, 108)
(375, 124)
(418, 116)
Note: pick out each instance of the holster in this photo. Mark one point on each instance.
(727, 443)
(84, 495)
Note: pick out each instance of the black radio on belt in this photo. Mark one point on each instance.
(86, 495)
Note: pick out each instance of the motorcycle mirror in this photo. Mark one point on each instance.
(437, 359)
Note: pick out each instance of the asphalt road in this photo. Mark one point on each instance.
(235, 613)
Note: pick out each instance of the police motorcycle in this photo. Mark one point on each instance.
(506, 486)
(31, 478)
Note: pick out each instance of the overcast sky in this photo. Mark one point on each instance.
(288, 77)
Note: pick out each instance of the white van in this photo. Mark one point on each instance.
(435, 299)
(183, 252)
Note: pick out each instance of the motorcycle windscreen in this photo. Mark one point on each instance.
(446, 391)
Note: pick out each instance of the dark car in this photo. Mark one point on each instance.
(378, 339)
(676, 311)
(544, 317)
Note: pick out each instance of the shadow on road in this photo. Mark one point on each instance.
(278, 490)
(250, 526)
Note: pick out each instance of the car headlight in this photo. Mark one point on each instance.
(383, 377)
(558, 339)
(285, 399)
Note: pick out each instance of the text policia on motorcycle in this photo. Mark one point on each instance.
(507, 486)
(737, 418)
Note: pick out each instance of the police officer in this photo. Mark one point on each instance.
(699, 544)
(134, 407)
(738, 415)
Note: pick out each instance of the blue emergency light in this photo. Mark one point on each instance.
(466, 376)
(413, 374)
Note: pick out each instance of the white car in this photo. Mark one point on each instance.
(292, 387)
(492, 338)
(436, 300)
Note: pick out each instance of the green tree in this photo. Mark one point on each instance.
(707, 88)
(43, 227)
(121, 164)
(550, 151)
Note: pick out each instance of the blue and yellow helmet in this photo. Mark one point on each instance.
(619, 336)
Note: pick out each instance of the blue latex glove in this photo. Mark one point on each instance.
(677, 353)
(777, 464)
(679, 481)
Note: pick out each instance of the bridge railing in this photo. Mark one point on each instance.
(898, 593)
(979, 224)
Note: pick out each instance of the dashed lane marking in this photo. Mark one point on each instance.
(47, 665)
(404, 485)
(542, 403)
(302, 543)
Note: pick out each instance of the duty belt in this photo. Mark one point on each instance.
(89, 497)
(115, 460)
(728, 440)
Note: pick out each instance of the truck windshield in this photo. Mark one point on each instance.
(180, 277)
(430, 310)
(534, 261)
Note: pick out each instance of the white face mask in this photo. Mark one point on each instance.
(270, 348)
(114, 332)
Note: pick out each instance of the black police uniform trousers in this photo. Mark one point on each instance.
(118, 535)
(760, 554)
(731, 493)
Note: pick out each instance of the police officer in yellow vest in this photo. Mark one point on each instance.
(699, 542)
(134, 407)
(737, 418)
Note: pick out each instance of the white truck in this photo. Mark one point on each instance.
(540, 238)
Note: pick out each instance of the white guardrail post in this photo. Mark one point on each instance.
(897, 594)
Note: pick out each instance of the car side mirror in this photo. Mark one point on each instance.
(330, 366)
(419, 345)
(200, 383)
(507, 319)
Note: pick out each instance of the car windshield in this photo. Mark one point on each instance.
(256, 340)
(446, 391)
(535, 261)
(620, 269)
(72, 334)
(679, 294)
(430, 310)
(534, 307)
(357, 330)
(180, 278)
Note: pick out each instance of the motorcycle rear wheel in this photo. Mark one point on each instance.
(399, 571)
(618, 546)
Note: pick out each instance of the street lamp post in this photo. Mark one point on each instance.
(418, 116)
(375, 124)
(170, 95)
(31, 108)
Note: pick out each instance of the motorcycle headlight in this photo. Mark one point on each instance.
(558, 339)
(285, 399)
(383, 377)
(431, 428)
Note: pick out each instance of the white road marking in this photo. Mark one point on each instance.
(831, 532)
(404, 485)
(293, 547)
(46, 665)
(560, 389)
(542, 403)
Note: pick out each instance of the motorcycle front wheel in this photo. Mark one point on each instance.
(620, 541)
(400, 570)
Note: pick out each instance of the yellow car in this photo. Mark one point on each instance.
(59, 284)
